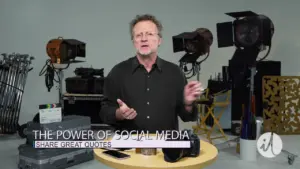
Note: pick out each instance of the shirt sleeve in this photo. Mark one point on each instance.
(186, 116)
(109, 104)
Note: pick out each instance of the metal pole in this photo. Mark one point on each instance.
(60, 88)
(198, 71)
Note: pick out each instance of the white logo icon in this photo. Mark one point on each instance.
(269, 145)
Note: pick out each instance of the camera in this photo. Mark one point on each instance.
(175, 154)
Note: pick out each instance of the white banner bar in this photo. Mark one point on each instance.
(149, 144)
(112, 144)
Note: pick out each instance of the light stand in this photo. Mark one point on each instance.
(197, 69)
(60, 73)
(248, 30)
(63, 51)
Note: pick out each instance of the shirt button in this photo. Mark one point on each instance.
(148, 89)
(148, 76)
(148, 103)
(148, 117)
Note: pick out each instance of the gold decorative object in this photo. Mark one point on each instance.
(281, 98)
(138, 150)
(148, 151)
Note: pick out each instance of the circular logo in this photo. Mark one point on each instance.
(269, 145)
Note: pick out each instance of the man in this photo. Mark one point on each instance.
(146, 92)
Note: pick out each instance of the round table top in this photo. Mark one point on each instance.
(208, 154)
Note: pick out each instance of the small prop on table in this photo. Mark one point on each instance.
(138, 150)
(248, 131)
(50, 113)
(146, 151)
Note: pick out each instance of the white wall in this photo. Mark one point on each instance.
(27, 26)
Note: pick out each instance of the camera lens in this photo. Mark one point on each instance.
(172, 154)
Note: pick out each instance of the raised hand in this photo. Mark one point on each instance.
(124, 112)
(192, 91)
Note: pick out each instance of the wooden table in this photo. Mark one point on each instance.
(208, 155)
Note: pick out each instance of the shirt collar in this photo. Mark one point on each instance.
(136, 64)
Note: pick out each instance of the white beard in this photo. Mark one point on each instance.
(145, 54)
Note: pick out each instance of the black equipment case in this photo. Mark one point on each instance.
(71, 122)
(34, 158)
(86, 81)
(88, 85)
(85, 105)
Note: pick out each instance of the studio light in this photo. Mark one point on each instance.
(62, 51)
(249, 32)
(196, 44)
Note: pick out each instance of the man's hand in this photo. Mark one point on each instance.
(124, 112)
(191, 92)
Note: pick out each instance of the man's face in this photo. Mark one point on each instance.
(145, 38)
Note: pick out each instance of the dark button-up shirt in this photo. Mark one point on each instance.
(157, 96)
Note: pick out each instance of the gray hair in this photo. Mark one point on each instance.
(146, 17)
